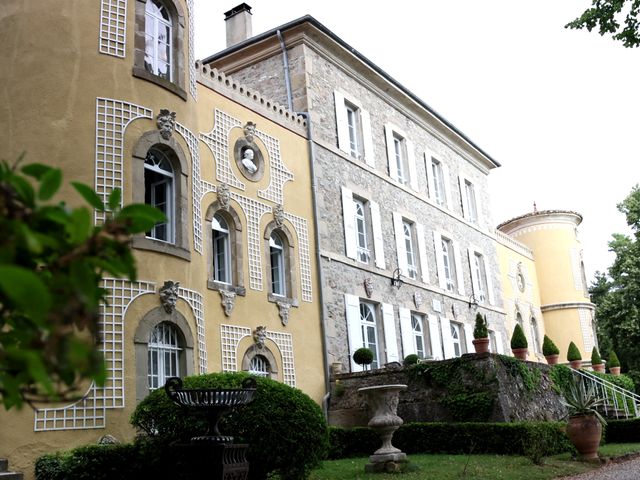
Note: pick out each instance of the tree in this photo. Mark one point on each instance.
(617, 294)
(607, 15)
(52, 260)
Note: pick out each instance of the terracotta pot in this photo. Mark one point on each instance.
(481, 344)
(614, 371)
(585, 431)
(575, 364)
(552, 359)
(520, 353)
(598, 368)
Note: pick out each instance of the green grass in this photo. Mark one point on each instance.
(463, 467)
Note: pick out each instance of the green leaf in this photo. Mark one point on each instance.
(50, 183)
(89, 195)
(30, 239)
(80, 226)
(142, 217)
(114, 198)
(25, 289)
(23, 189)
(55, 214)
(36, 170)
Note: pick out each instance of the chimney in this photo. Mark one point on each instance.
(238, 22)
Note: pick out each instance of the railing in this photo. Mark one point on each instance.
(618, 402)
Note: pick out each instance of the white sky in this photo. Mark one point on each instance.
(557, 108)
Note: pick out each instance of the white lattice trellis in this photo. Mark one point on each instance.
(218, 142)
(196, 184)
(230, 337)
(253, 211)
(586, 326)
(194, 299)
(280, 174)
(90, 411)
(112, 118)
(305, 260)
(113, 27)
(192, 56)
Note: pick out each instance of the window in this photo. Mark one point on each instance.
(157, 39)
(449, 264)
(354, 128)
(276, 255)
(400, 155)
(535, 336)
(354, 125)
(163, 355)
(368, 329)
(456, 338)
(221, 250)
(400, 159)
(420, 340)
(259, 366)
(159, 192)
(439, 194)
(470, 194)
(493, 342)
(363, 253)
(407, 229)
(481, 277)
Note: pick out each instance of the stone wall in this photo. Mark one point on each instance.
(491, 377)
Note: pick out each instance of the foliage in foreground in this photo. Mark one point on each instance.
(52, 259)
(607, 16)
(285, 429)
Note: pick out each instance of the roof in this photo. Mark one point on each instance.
(311, 20)
(541, 213)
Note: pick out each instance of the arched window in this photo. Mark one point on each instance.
(276, 255)
(158, 39)
(221, 250)
(159, 192)
(259, 366)
(418, 335)
(535, 335)
(368, 328)
(163, 355)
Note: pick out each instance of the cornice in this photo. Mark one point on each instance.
(567, 305)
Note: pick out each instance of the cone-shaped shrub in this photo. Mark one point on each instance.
(549, 348)
(613, 360)
(480, 330)
(573, 353)
(595, 357)
(518, 339)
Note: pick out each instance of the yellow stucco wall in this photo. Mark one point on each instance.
(52, 75)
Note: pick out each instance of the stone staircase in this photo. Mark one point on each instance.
(619, 403)
(5, 474)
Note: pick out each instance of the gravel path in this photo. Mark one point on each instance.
(618, 470)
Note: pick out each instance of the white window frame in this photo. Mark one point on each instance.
(354, 125)
(437, 180)
(161, 166)
(449, 261)
(401, 157)
(418, 333)
(439, 194)
(368, 324)
(363, 253)
(259, 366)
(277, 265)
(469, 200)
(362, 129)
(153, 22)
(221, 245)
(408, 232)
(163, 353)
(456, 339)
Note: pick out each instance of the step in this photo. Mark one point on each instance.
(5, 474)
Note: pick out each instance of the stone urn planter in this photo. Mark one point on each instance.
(520, 353)
(575, 364)
(383, 402)
(614, 371)
(481, 345)
(552, 359)
(598, 368)
(585, 431)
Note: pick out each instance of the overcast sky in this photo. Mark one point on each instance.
(556, 108)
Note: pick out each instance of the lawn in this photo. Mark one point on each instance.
(476, 467)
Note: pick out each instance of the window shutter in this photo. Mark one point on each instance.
(463, 197)
(378, 241)
(468, 333)
(447, 341)
(411, 160)
(431, 184)
(352, 308)
(437, 243)
(422, 251)
(367, 138)
(447, 188)
(459, 274)
(492, 299)
(390, 333)
(499, 343)
(342, 123)
(408, 345)
(400, 246)
(348, 215)
(475, 281)
(388, 134)
(434, 336)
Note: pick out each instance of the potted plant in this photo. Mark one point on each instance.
(584, 428)
(519, 344)
(596, 361)
(613, 364)
(550, 351)
(574, 357)
(481, 334)
(410, 359)
(363, 356)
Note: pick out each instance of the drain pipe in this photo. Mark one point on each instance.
(287, 80)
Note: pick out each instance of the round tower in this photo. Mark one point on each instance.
(568, 313)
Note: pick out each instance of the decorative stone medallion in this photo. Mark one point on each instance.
(228, 301)
(260, 335)
(284, 308)
(278, 215)
(166, 122)
(169, 295)
(520, 277)
(224, 196)
(368, 287)
(248, 156)
(417, 299)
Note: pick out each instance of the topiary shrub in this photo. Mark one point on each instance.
(518, 339)
(613, 360)
(410, 359)
(549, 348)
(285, 429)
(363, 356)
(595, 357)
(480, 330)
(573, 354)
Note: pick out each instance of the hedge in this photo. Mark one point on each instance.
(623, 431)
(517, 438)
